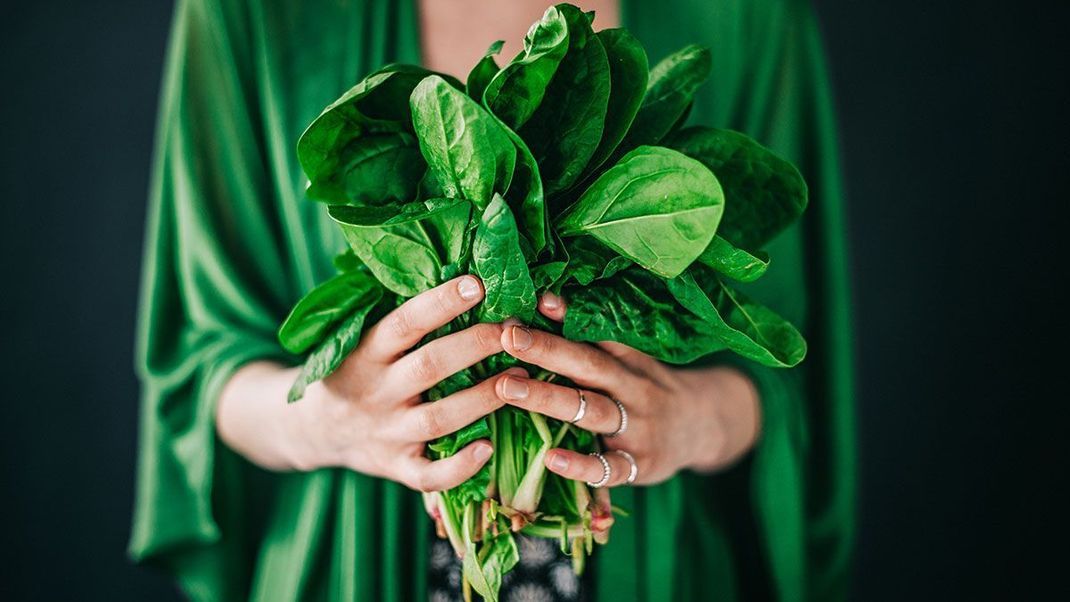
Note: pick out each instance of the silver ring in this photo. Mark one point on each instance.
(623, 419)
(582, 410)
(607, 472)
(633, 471)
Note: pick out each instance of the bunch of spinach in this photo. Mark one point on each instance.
(565, 170)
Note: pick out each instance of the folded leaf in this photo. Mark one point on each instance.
(499, 261)
(378, 104)
(405, 250)
(484, 71)
(628, 74)
(373, 169)
(323, 308)
(564, 132)
(518, 89)
(734, 262)
(637, 309)
(656, 206)
(471, 155)
(745, 326)
(669, 93)
(763, 193)
(334, 349)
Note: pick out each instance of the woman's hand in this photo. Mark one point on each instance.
(676, 418)
(368, 415)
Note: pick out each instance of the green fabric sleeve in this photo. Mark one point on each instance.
(211, 297)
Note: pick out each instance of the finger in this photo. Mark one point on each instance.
(402, 329)
(428, 421)
(552, 306)
(587, 468)
(584, 364)
(600, 414)
(430, 364)
(425, 475)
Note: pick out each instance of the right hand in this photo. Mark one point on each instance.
(368, 415)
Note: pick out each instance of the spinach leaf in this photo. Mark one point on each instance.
(518, 89)
(470, 153)
(323, 308)
(564, 132)
(657, 207)
(347, 261)
(734, 262)
(484, 71)
(498, 260)
(628, 73)
(373, 169)
(764, 193)
(672, 86)
(637, 309)
(405, 250)
(378, 104)
(589, 260)
(745, 326)
(525, 195)
(334, 349)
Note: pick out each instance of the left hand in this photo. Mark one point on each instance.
(677, 418)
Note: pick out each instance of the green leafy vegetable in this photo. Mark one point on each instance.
(405, 251)
(744, 326)
(671, 87)
(499, 262)
(564, 132)
(469, 153)
(332, 351)
(733, 262)
(323, 308)
(543, 175)
(484, 71)
(656, 207)
(765, 193)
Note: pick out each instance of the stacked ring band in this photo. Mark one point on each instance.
(633, 469)
(582, 410)
(623, 420)
(607, 471)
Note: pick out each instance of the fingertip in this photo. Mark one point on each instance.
(470, 288)
(557, 460)
(482, 450)
(516, 371)
(552, 306)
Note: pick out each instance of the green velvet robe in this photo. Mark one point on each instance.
(232, 243)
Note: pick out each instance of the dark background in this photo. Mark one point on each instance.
(955, 144)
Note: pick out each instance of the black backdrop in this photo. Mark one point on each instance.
(955, 146)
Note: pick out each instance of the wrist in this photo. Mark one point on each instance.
(728, 418)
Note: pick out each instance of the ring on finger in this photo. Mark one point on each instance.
(633, 468)
(582, 410)
(623, 426)
(607, 471)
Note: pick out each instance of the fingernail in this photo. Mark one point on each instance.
(521, 338)
(469, 288)
(483, 451)
(551, 301)
(558, 462)
(515, 388)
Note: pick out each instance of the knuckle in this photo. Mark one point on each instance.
(399, 324)
(426, 482)
(428, 423)
(424, 366)
(488, 396)
(487, 337)
(445, 300)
